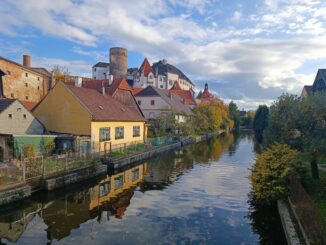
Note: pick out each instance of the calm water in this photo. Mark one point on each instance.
(198, 195)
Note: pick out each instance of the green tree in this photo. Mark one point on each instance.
(271, 172)
(260, 122)
(234, 114)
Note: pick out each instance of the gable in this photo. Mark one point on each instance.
(60, 111)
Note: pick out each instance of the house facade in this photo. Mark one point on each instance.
(161, 75)
(154, 102)
(101, 71)
(16, 119)
(103, 121)
(23, 82)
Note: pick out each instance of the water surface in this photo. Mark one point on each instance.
(198, 195)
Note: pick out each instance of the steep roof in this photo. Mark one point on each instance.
(104, 107)
(29, 104)
(37, 70)
(118, 83)
(136, 90)
(102, 64)
(205, 95)
(174, 101)
(146, 67)
(5, 103)
(186, 95)
(320, 81)
(162, 68)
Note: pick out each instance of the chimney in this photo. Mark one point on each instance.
(103, 89)
(27, 60)
(78, 82)
(110, 80)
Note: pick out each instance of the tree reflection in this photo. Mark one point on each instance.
(265, 224)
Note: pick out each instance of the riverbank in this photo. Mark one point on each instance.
(100, 168)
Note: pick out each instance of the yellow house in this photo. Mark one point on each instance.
(72, 110)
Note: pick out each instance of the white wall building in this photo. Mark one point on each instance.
(101, 71)
(153, 102)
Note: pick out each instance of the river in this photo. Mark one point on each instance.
(197, 195)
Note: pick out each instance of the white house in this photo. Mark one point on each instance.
(101, 71)
(153, 102)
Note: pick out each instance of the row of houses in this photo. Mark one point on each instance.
(82, 114)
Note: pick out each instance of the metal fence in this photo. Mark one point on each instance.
(307, 213)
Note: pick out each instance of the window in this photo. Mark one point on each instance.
(38, 78)
(26, 84)
(26, 74)
(104, 134)
(170, 82)
(105, 188)
(119, 133)
(136, 131)
(38, 87)
(10, 116)
(139, 102)
(94, 69)
(26, 97)
(152, 102)
(8, 72)
(12, 95)
(118, 182)
(24, 116)
(135, 174)
(161, 86)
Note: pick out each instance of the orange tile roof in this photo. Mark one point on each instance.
(29, 104)
(176, 86)
(118, 83)
(186, 95)
(136, 90)
(146, 67)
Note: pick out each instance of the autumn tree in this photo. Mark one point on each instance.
(60, 73)
(234, 114)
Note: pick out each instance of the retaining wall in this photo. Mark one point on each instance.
(15, 194)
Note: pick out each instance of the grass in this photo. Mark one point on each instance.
(317, 191)
(129, 150)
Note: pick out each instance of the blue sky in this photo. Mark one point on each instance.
(248, 51)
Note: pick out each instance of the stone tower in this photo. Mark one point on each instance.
(118, 62)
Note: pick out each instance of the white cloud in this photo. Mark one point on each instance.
(265, 55)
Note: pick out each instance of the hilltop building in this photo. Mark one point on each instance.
(24, 82)
(161, 75)
(117, 67)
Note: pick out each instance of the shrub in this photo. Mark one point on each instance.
(271, 173)
(29, 151)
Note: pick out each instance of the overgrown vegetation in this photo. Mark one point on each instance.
(271, 173)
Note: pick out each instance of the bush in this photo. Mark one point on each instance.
(271, 173)
(29, 151)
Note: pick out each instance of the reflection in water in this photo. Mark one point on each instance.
(194, 195)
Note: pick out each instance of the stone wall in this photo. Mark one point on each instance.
(22, 83)
(15, 194)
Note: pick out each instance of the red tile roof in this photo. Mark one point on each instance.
(146, 67)
(104, 107)
(205, 95)
(136, 90)
(186, 95)
(118, 83)
(29, 104)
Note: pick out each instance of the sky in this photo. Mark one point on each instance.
(247, 51)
